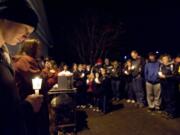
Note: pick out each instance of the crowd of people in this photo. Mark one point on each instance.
(152, 82)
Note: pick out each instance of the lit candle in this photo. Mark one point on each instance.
(82, 75)
(160, 73)
(37, 82)
(126, 72)
(133, 67)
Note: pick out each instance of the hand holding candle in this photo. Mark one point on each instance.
(126, 72)
(133, 67)
(161, 75)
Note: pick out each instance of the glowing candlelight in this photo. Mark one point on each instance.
(126, 72)
(133, 67)
(160, 73)
(37, 82)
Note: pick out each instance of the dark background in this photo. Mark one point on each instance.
(150, 25)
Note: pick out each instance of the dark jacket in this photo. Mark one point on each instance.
(177, 72)
(151, 72)
(116, 73)
(27, 68)
(168, 71)
(138, 67)
(12, 108)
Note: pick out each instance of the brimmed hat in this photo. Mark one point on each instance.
(18, 11)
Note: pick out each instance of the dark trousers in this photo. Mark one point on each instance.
(97, 102)
(115, 85)
(169, 96)
(129, 91)
(104, 104)
(81, 96)
(90, 98)
(138, 88)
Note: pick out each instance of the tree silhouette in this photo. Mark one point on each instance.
(93, 36)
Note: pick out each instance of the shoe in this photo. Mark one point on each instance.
(90, 106)
(97, 110)
(83, 106)
(78, 106)
(157, 110)
(151, 109)
(141, 105)
(167, 115)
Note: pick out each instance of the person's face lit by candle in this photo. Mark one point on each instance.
(48, 65)
(106, 61)
(165, 60)
(103, 72)
(129, 63)
(65, 67)
(80, 68)
(75, 67)
(15, 32)
(134, 54)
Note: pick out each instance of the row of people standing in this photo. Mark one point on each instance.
(142, 81)
(155, 82)
(152, 82)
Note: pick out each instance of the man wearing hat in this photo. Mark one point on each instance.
(17, 22)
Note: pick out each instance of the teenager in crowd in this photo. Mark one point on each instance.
(80, 84)
(116, 80)
(49, 73)
(107, 66)
(106, 93)
(90, 90)
(138, 82)
(169, 86)
(97, 92)
(130, 95)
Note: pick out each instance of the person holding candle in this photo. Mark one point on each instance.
(81, 87)
(169, 87)
(108, 66)
(50, 73)
(90, 89)
(97, 92)
(116, 80)
(26, 67)
(137, 74)
(27, 72)
(128, 82)
(17, 21)
(177, 73)
(106, 93)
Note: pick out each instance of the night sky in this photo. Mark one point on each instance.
(149, 25)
